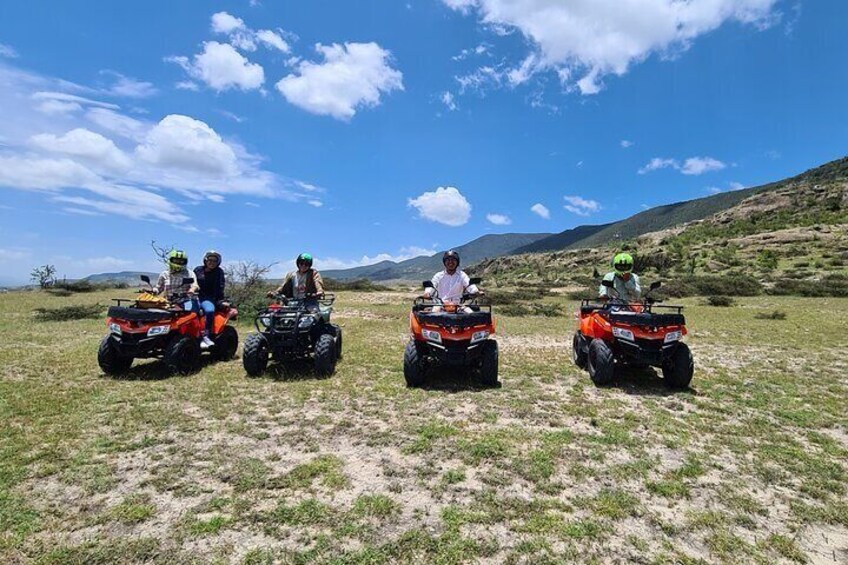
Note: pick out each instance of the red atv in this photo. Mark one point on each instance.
(166, 329)
(451, 334)
(632, 333)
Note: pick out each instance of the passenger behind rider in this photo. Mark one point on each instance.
(625, 281)
(450, 284)
(211, 280)
(303, 284)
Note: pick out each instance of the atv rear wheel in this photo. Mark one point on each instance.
(678, 367)
(254, 357)
(226, 344)
(110, 360)
(413, 365)
(325, 355)
(579, 356)
(182, 356)
(601, 362)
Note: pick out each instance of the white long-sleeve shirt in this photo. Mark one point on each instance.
(450, 287)
(628, 290)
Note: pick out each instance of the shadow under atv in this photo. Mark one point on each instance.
(292, 370)
(454, 379)
(156, 370)
(643, 381)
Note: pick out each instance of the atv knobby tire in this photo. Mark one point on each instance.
(601, 362)
(413, 365)
(110, 360)
(182, 356)
(678, 367)
(489, 364)
(226, 344)
(254, 357)
(325, 355)
(338, 343)
(579, 356)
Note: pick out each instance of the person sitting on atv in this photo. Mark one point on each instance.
(303, 284)
(625, 281)
(170, 280)
(210, 278)
(451, 284)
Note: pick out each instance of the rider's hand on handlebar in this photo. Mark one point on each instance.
(271, 294)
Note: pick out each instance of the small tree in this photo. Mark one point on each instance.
(246, 284)
(161, 252)
(44, 275)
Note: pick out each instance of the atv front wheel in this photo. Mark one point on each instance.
(601, 362)
(577, 354)
(489, 365)
(182, 356)
(226, 344)
(110, 360)
(254, 357)
(325, 355)
(338, 343)
(678, 367)
(413, 366)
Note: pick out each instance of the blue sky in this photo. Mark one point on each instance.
(376, 129)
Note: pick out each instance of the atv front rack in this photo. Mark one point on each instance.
(587, 306)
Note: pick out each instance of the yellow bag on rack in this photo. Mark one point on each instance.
(150, 300)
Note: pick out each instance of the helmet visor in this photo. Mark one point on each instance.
(182, 261)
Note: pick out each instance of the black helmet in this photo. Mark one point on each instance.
(448, 255)
(304, 258)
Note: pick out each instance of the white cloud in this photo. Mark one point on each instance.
(185, 143)
(129, 87)
(731, 186)
(187, 85)
(580, 206)
(584, 41)
(222, 22)
(87, 145)
(108, 263)
(221, 68)
(448, 100)
(64, 103)
(701, 165)
(116, 123)
(499, 219)
(273, 39)
(351, 76)
(626, 144)
(541, 211)
(657, 163)
(315, 203)
(445, 205)
(13, 254)
(8, 52)
(736, 186)
(481, 49)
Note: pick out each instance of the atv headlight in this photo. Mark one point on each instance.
(265, 321)
(306, 322)
(479, 336)
(621, 333)
(430, 335)
(115, 328)
(672, 336)
(158, 330)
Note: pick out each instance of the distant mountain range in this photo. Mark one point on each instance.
(420, 268)
(129, 277)
(587, 236)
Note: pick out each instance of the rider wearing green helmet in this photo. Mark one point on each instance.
(625, 281)
(304, 283)
(171, 279)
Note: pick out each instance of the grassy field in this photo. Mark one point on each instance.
(749, 466)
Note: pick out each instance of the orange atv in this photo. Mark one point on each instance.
(618, 333)
(155, 327)
(458, 335)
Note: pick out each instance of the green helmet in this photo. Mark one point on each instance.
(622, 263)
(177, 260)
(304, 258)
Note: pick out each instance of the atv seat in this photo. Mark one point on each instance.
(138, 314)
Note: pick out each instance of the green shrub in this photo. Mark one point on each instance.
(71, 312)
(767, 259)
(720, 300)
(360, 285)
(835, 284)
(708, 285)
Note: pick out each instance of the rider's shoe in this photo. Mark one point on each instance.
(206, 343)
